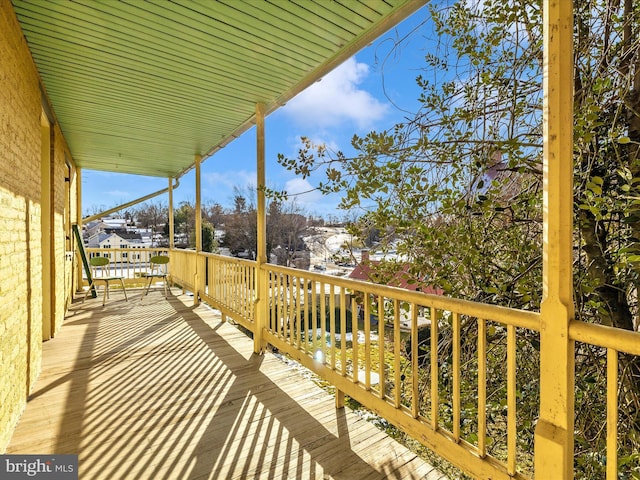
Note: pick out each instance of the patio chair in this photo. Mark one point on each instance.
(158, 269)
(100, 272)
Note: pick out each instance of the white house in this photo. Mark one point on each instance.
(127, 242)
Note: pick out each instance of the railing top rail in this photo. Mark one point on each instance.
(605, 336)
(236, 260)
(182, 250)
(508, 316)
(126, 249)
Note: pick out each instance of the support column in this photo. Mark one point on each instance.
(172, 239)
(261, 236)
(554, 431)
(46, 228)
(79, 266)
(199, 275)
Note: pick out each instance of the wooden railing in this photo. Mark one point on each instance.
(615, 344)
(183, 268)
(232, 288)
(450, 373)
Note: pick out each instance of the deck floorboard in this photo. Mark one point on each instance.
(157, 389)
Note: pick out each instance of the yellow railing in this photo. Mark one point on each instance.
(614, 342)
(182, 267)
(422, 385)
(448, 372)
(230, 286)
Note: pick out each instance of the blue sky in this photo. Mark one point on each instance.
(350, 100)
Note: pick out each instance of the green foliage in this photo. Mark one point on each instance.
(208, 241)
(456, 188)
(286, 225)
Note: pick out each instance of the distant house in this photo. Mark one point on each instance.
(127, 241)
(147, 235)
(401, 279)
(105, 225)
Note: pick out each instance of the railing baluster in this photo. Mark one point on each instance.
(511, 400)
(243, 284)
(415, 394)
(343, 332)
(224, 281)
(273, 290)
(314, 315)
(248, 292)
(290, 309)
(482, 388)
(272, 299)
(281, 308)
(323, 322)
(240, 289)
(297, 321)
(332, 327)
(612, 414)
(435, 401)
(381, 342)
(256, 293)
(229, 286)
(214, 286)
(354, 337)
(367, 341)
(396, 353)
(456, 376)
(234, 288)
(304, 319)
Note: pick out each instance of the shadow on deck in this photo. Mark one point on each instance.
(159, 389)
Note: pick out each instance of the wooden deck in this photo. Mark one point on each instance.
(157, 389)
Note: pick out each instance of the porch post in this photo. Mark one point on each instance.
(261, 235)
(172, 240)
(79, 266)
(198, 227)
(46, 228)
(554, 431)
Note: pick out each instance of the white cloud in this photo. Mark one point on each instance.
(312, 201)
(336, 100)
(228, 180)
(118, 193)
(298, 186)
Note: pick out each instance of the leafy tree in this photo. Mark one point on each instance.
(457, 186)
(208, 241)
(240, 224)
(184, 220)
(213, 213)
(151, 215)
(286, 225)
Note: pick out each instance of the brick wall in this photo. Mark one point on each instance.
(20, 223)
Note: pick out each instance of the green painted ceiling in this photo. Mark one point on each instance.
(143, 86)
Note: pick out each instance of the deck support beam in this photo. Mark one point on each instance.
(261, 310)
(554, 431)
